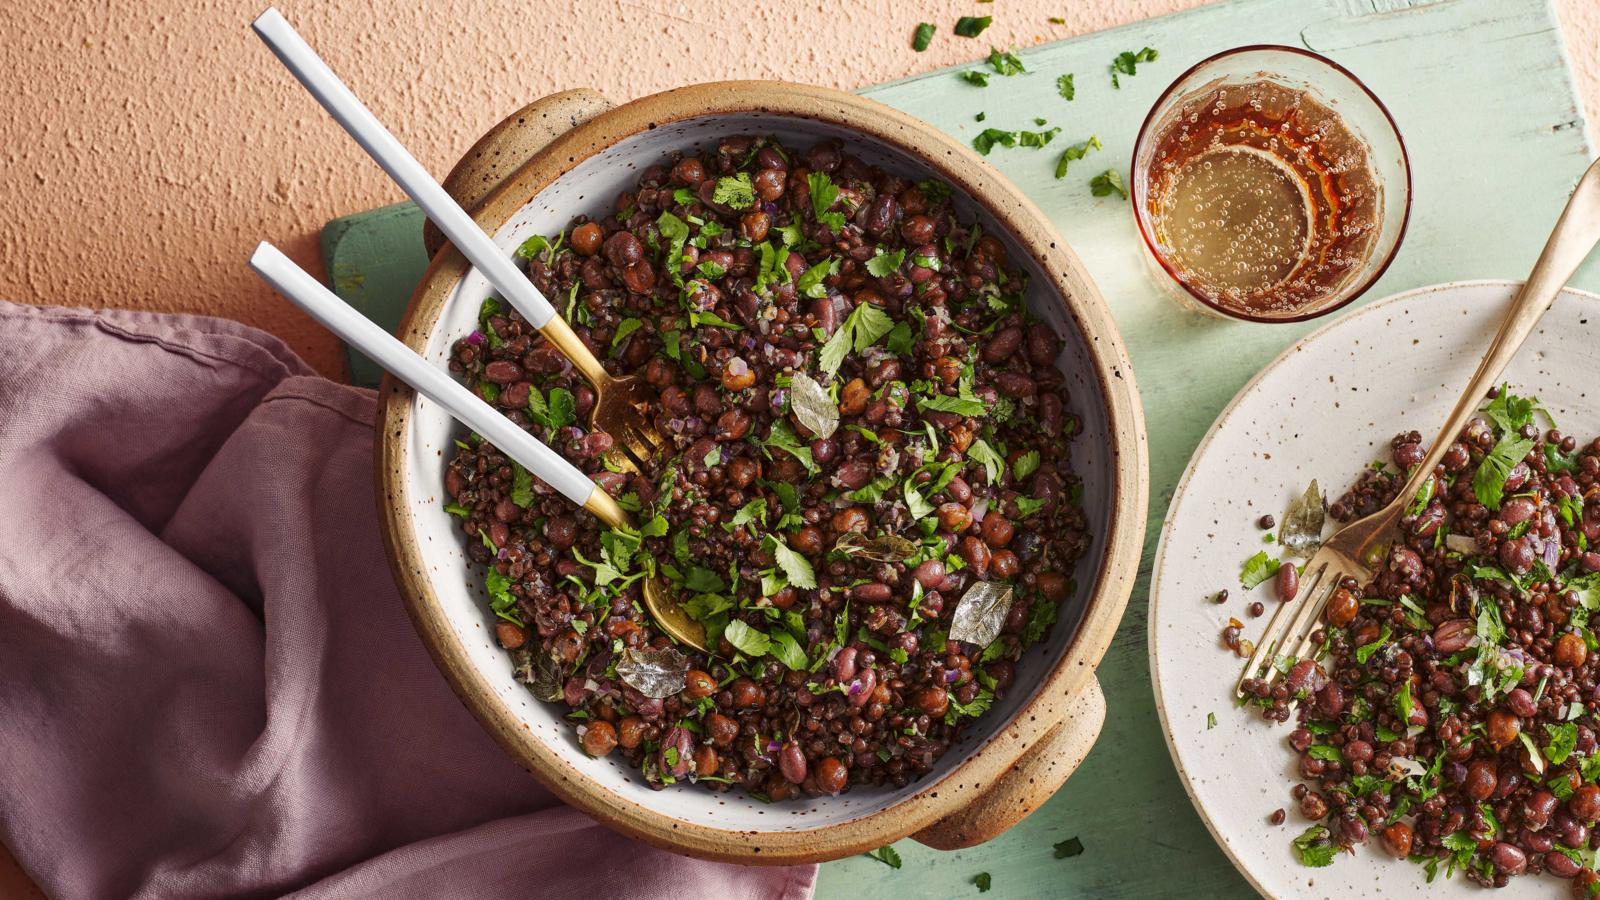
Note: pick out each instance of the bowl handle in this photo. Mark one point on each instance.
(1037, 774)
(506, 146)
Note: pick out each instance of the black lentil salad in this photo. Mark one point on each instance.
(1450, 713)
(868, 500)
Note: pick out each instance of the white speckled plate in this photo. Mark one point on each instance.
(1323, 409)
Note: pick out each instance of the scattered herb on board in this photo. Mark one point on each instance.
(922, 37)
(983, 881)
(1127, 63)
(1257, 569)
(980, 117)
(990, 138)
(887, 856)
(1056, 20)
(972, 26)
(1069, 848)
(1107, 183)
(1074, 153)
(1006, 63)
(974, 77)
(1211, 720)
(1065, 88)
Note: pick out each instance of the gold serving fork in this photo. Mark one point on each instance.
(1356, 549)
(622, 403)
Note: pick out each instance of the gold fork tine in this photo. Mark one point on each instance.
(1307, 615)
(1279, 627)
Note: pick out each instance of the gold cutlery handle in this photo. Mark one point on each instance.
(1575, 234)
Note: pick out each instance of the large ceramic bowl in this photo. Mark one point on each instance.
(574, 153)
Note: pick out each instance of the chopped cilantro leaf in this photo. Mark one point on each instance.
(923, 37)
(1257, 569)
(972, 26)
(1065, 88)
(887, 856)
(1107, 183)
(734, 191)
(1068, 848)
(1074, 153)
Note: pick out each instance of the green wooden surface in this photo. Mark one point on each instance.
(1483, 93)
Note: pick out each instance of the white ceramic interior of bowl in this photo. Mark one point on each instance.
(591, 188)
(1324, 409)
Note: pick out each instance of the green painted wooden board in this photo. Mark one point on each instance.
(1483, 93)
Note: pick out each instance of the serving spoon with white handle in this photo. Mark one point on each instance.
(622, 402)
(531, 453)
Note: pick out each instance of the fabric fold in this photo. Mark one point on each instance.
(208, 683)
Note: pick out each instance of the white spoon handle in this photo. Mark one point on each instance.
(400, 361)
(382, 146)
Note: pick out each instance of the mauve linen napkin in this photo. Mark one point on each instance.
(208, 684)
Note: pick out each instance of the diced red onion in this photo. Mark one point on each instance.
(951, 676)
(475, 338)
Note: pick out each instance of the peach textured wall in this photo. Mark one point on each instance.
(148, 146)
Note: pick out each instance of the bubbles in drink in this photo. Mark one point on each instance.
(1261, 198)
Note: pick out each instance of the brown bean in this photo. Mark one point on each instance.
(997, 530)
(918, 229)
(881, 216)
(698, 684)
(831, 775)
(1508, 858)
(1482, 778)
(853, 475)
(586, 239)
(807, 540)
(1584, 804)
(1501, 728)
(630, 732)
(721, 730)
(599, 738)
(1054, 586)
(1004, 564)
(640, 277)
(746, 693)
(954, 517)
(853, 397)
(1004, 343)
(862, 687)
(1571, 650)
(792, 762)
(502, 371)
(976, 553)
(688, 172)
(769, 183)
(1288, 582)
(932, 701)
(851, 518)
(1043, 345)
(1342, 608)
(871, 592)
(1452, 635)
(1397, 840)
(510, 634)
(753, 226)
(624, 250)
(930, 574)
(1016, 384)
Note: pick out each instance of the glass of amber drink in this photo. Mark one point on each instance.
(1270, 185)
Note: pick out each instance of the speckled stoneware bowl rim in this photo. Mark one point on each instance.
(1374, 310)
(1070, 281)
